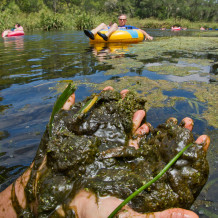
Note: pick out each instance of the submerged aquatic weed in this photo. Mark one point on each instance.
(205, 93)
(194, 105)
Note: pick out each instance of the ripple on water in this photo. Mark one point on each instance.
(32, 65)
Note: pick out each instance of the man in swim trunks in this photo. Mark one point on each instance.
(122, 19)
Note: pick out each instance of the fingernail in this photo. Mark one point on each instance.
(173, 120)
(187, 123)
(124, 92)
(142, 130)
(108, 88)
(203, 140)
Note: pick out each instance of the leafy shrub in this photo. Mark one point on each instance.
(84, 21)
(51, 21)
(6, 21)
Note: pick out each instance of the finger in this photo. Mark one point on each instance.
(142, 130)
(137, 119)
(108, 88)
(124, 92)
(203, 140)
(70, 101)
(172, 120)
(174, 213)
(187, 123)
(134, 143)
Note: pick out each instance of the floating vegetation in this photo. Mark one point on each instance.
(166, 52)
(202, 62)
(209, 33)
(122, 66)
(178, 56)
(180, 44)
(174, 70)
(150, 89)
(153, 91)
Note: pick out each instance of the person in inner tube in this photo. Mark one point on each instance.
(17, 27)
(122, 19)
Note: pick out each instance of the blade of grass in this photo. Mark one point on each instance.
(88, 105)
(197, 107)
(190, 104)
(60, 102)
(149, 183)
(175, 109)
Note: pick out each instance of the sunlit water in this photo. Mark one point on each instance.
(33, 64)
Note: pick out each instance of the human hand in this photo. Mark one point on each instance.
(149, 37)
(100, 173)
(85, 201)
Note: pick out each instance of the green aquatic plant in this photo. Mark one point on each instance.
(207, 213)
(60, 102)
(164, 46)
(205, 93)
(88, 105)
(122, 66)
(173, 53)
(174, 70)
(196, 61)
(134, 194)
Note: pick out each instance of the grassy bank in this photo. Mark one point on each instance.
(157, 24)
(78, 20)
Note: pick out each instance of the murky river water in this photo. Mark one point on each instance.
(36, 67)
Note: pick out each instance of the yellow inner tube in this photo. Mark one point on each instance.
(127, 36)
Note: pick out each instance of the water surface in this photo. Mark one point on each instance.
(32, 67)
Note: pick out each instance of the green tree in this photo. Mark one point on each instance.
(29, 5)
(3, 4)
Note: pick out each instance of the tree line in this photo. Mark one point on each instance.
(193, 10)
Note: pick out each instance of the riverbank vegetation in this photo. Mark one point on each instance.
(75, 14)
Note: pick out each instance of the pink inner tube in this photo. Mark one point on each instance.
(176, 28)
(14, 33)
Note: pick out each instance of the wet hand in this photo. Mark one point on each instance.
(107, 204)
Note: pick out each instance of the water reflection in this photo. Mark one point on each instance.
(104, 51)
(14, 42)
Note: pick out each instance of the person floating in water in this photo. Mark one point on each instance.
(17, 27)
(122, 19)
